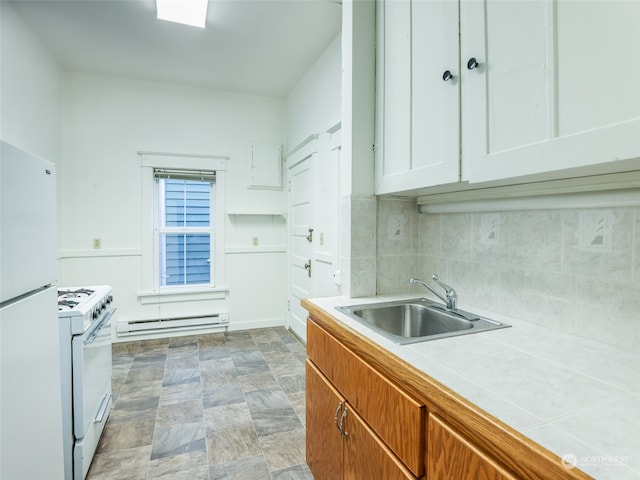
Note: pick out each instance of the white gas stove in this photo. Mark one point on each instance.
(84, 315)
(83, 305)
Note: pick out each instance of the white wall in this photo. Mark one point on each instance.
(314, 104)
(314, 107)
(358, 224)
(29, 89)
(106, 121)
(93, 126)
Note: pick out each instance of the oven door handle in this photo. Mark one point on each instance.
(103, 408)
(92, 337)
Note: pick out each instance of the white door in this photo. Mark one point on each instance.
(314, 214)
(301, 185)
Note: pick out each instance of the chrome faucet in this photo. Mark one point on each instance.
(450, 298)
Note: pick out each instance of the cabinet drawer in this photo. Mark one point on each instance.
(398, 419)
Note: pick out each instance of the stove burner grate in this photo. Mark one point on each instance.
(67, 303)
(75, 293)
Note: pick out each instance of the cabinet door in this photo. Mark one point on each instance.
(324, 441)
(452, 457)
(557, 86)
(435, 102)
(397, 419)
(366, 457)
(417, 131)
(393, 93)
(507, 99)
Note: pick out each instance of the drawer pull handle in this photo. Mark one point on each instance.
(335, 418)
(341, 426)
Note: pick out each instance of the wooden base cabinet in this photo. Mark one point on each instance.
(453, 457)
(325, 445)
(340, 445)
(371, 415)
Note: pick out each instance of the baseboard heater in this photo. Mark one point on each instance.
(136, 327)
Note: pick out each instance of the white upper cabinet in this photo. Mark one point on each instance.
(417, 124)
(558, 86)
(508, 96)
(537, 87)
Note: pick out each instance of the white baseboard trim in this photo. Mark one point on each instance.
(235, 325)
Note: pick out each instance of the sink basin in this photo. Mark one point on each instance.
(418, 320)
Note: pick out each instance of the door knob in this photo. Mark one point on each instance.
(472, 63)
(447, 75)
(310, 236)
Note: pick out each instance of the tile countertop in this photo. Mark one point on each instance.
(571, 395)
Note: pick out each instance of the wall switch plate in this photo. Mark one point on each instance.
(255, 241)
(97, 243)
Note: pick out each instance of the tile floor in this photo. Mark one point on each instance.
(207, 407)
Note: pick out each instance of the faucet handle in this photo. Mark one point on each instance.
(452, 296)
(435, 278)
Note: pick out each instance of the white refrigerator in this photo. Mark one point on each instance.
(30, 390)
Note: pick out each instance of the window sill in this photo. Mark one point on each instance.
(265, 249)
(248, 213)
(182, 295)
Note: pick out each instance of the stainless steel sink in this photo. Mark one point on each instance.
(418, 320)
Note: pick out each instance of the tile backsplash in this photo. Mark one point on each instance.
(574, 270)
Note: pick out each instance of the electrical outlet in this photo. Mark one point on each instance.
(97, 243)
(255, 241)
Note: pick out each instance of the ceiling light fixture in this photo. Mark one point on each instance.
(188, 12)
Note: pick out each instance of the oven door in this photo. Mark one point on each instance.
(92, 374)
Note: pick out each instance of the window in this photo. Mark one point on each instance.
(184, 230)
(183, 220)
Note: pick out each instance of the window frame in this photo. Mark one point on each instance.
(160, 228)
(150, 246)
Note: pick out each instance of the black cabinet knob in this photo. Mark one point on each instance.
(472, 63)
(447, 75)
